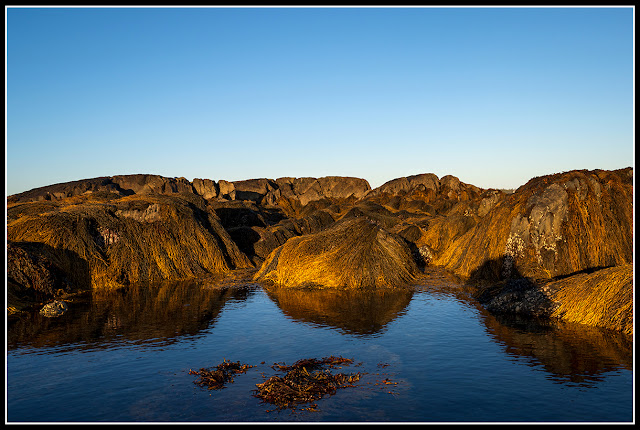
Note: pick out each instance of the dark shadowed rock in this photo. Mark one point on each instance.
(253, 189)
(37, 272)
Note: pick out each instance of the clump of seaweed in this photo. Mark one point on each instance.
(215, 378)
(305, 381)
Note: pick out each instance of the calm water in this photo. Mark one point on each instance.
(125, 356)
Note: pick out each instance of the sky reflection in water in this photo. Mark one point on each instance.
(124, 356)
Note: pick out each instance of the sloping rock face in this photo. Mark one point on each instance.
(121, 185)
(354, 253)
(117, 241)
(552, 226)
(602, 298)
(424, 193)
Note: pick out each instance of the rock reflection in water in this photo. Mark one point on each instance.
(356, 312)
(571, 353)
(154, 313)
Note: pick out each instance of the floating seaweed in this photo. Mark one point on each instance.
(305, 381)
(215, 378)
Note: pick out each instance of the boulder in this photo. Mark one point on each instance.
(353, 253)
(227, 190)
(54, 309)
(207, 188)
(253, 189)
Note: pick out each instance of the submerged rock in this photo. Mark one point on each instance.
(54, 309)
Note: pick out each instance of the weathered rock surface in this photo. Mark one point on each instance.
(601, 298)
(116, 241)
(54, 309)
(296, 191)
(34, 273)
(207, 188)
(552, 226)
(353, 253)
(129, 228)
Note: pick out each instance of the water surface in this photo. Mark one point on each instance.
(124, 356)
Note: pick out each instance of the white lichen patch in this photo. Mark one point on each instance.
(425, 253)
(513, 249)
(514, 246)
(541, 229)
(151, 213)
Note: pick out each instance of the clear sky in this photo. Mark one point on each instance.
(494, 96)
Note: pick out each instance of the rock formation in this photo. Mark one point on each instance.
(552, 226)
(333, 232)
(603, 298)
(355, 253)
(107, 242)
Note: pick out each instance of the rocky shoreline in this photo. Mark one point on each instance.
(560, 246)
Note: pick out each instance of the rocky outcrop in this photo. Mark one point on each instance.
(427, 195)
(95, 243)
(333, 232)
(264, 191)
(552, 226)
(36, 272)
(151, 184)
(354, 253)
(600, 298)
(300, 191)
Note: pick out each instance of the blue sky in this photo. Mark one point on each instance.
(494, 96)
